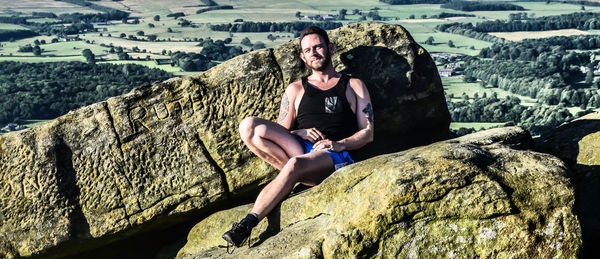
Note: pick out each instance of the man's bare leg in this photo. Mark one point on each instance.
(269, 141)
(310, 169)
(276, 145)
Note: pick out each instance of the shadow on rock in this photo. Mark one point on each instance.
(576, 143)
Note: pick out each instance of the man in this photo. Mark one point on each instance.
(321, 117)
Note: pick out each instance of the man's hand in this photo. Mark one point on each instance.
(313, 135)
(329, 145)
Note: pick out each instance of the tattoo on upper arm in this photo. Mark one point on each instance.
(284, 109)
(369, 112)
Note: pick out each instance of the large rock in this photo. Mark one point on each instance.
(478, 196)
(578, 144)
(169, 150)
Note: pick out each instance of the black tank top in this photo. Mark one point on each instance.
(328, 111)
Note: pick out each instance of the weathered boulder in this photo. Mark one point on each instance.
(171, 149)
(477, 196)
(578, 144)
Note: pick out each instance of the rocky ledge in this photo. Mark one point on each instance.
(169, 152)
(483, 195)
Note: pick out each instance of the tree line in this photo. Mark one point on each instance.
(48, 90)
(467, 29)
(6, 35)
(537, 119)
(469, 6)
(101, 8)
(522, 22)
(292, 27)
(212, 8)
(401, 2)
(546, 69)
(78, 23)
(443, 15)
(217, 50)
(579, 20)
(531, 49)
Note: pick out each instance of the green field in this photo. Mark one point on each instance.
(476, 125)
(520, 35)
(150, 64)
(456, 86)
(184, 38)
(10, 27)
(43, 20)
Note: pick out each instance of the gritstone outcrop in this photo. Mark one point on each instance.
(149, 157)
(578, 144)
(478, 196)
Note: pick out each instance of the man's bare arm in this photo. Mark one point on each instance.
(364, 117)
(286, 110)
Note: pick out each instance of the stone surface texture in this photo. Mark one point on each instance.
(478, 196)
(111, 169)
(578, 144)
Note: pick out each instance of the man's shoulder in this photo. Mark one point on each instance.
(356, 83)
(294, 86)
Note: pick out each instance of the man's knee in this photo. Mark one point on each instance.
(247, 126)
(294, 165)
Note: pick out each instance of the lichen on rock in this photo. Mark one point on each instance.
(473, 196)
(578, 144)
(171, 149)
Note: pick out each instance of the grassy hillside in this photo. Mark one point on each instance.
(171, 36)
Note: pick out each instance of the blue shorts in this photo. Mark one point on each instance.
(340, 159)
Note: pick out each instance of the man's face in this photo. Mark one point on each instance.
(315, 53)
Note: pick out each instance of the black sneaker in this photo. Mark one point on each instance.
(238, 234)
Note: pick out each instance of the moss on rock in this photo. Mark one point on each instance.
(473, 196)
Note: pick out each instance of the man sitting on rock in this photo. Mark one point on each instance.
(321, 117)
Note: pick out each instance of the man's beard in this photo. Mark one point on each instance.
(322, 63)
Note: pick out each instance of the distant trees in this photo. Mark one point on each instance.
(246, 42)
(406, 2)
(48, 90)
(89, 56)
(429, 40)
(185, 23)
(451, 44)
(156, 18)
(467, 29)
(273, 26)
(217, 50)
(443, 15)
(212, 8)
(581, 21)
(37, 50)
(209, 2)
(342, 14)
(537, 119)
(544, 69)
(176, 15)
(480, 6)
(25, 48)
(258, 45)
(191, 61)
